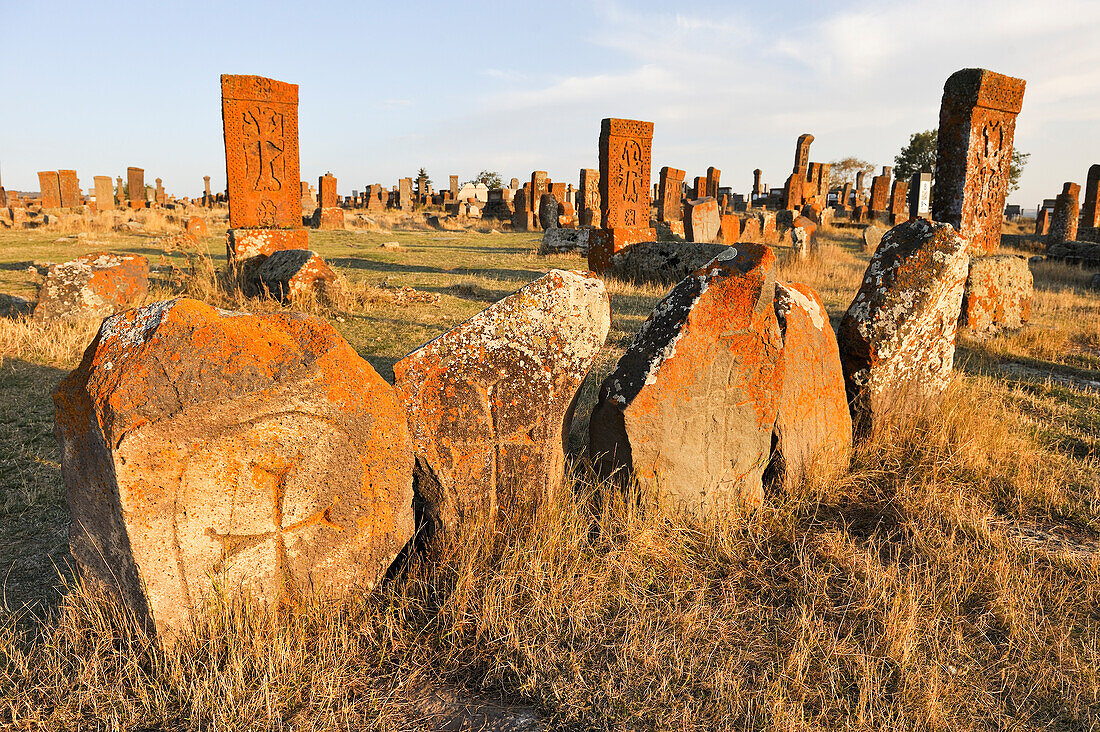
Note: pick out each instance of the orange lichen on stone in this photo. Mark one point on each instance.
(196, 226)
(489, 402)
(690, 409)
(998, 293)
(259, 452)
(94, 285)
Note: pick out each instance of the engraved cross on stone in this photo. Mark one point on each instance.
(263, 147)
(272, 479)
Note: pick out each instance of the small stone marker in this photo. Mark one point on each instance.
(328, 215)
(94, 285)
(897, 339)
(690, 409)
(974, 154)
(257, 453)
(489, 401)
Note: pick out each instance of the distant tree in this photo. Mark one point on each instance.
(490, 178)
(919, 156)
(1019, 160)
(844, 171)
(423, 175)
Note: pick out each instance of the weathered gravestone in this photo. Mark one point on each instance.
(1063, 224)
(50, 189)
(260, 123)
(135, 187)
(714, 177)
(920, 196)
(548, 211)
(897, 339)
(489, 402)
(1090, 211)
(997, 294)
(872, 236)
(880, 195)
(624, 189)
(689, 411)
(258, 454)
(94, 285)
(974, 154)
(662, 262)
(702, 222)
(69, 185)
(104, 193)
(291, 274)
(669, 196)
(328, 215)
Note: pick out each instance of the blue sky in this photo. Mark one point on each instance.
(512, 86)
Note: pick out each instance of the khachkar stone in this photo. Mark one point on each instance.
(670, 193)
(974, 154)
(50, 189)
(699, 190)
(405, 194)
(206, 450)
(69, 185)
(260, 123)
(490, 401)
(624, 188)
(1063, 224)
(328, 215)
(859, 188)
(207, 199)
(104, 195)
(802, 154)
(1090, 211)
(540, 184)
(899, 205)
(714, 176)
(757, 186)
(119, 188)
(454, 186)
(880, 194)
(158, 194)
(590, 197)
(135, 187)
(920, 195)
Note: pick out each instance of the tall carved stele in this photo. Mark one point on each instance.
(260, 121)
(974, 154)
(624, 189)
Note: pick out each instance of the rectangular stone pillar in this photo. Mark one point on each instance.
(69, 186)
(104, 193)
(135, 186)
(50, 188)
(714, 176)
(1090, 210)
(670, 193)
(974, 154)
(590, 197)
(920, 195)
(625, 147)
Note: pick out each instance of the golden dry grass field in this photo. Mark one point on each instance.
(950, 581)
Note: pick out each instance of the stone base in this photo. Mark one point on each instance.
(244, 245)
(604, 243)
(998, 293)
(327, 218)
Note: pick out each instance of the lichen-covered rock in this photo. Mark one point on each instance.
(663, 262)
(814, 428)
(897, 339)
(259, 453)
(549, 212)
(1086, 254)
(95, 285)
(690, 409)
(290, 274)
(872, 235)
(196, 226)
(561, 241)
(702, 220)
(803, 236)
(998, 293)
(490, 401)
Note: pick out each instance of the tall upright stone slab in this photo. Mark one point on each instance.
(69, 186)
(328, 215)
(670, 192)
(624, 188)
(1090, 211)
(104, 194)
(974, 154)
(757, 186)
(920, 195)
(260, 124)
(135, 187)
(899, 204)
(589, 209)
(880, 194)
(207, 199)
(159, 195)
(714, 176)
(454, 185)
(1063, 224)
(802, 154)
(540, 184)
(49, 188)
(405, 194)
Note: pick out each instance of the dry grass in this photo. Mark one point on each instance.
(901, 596)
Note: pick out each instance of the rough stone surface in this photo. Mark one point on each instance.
(974, 154)
(258, 452)
(549, 209)
(872, 236)
(1065, 219)
(95, 285)
(897, 339)
(690, 409)
(998, 293)
(243, 247)
(803, 236)
(290, 274)
(1076, 252)
(702, 221)
(196, 226)
(665, 262)
(559, 241)
(813, 429)
(50, 188)
(104, 193)
(490, 401)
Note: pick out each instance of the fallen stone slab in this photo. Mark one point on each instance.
(258, 453)
(997, 294)
(897, 339)
(689, 411)
(662, 262)
(1086, 254)
(94, 285)
(564, 241)
(813, 428)
(490, 401)
(290, 274)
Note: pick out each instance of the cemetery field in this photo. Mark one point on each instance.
(950, 580)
